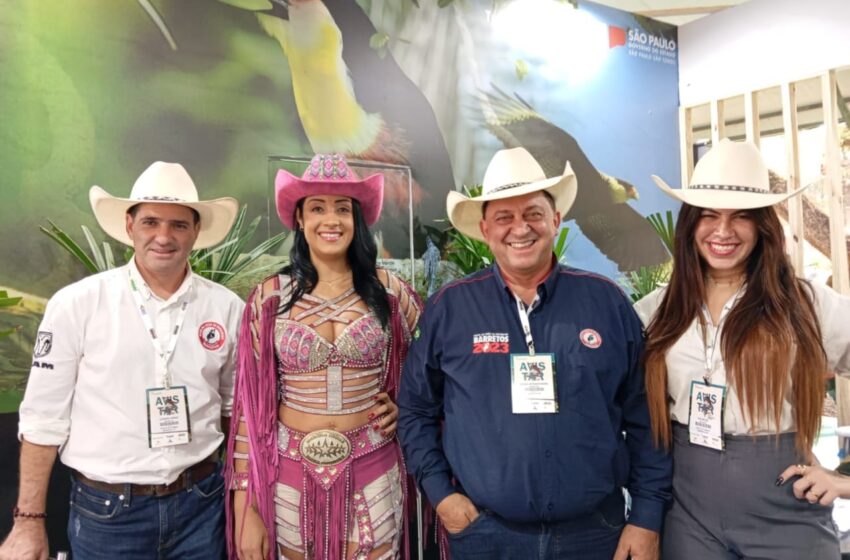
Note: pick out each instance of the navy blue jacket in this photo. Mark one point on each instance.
(532, 467)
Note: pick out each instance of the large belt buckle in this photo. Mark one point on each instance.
(325, 447)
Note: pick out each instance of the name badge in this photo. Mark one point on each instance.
(533, 384)
(705, 423)
(168, 417)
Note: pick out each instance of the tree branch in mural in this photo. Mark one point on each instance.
(354, 99)
(600, 210)
(222, 264)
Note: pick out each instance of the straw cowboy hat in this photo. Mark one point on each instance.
(510, 173)
(164, 183)
(732, 175)
(328, 174)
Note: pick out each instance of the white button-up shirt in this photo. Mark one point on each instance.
(686, 359)
(94, 360)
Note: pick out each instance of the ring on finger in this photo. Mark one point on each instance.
(802, 468)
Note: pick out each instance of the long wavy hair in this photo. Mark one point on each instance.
(771, 331)
(362, 255)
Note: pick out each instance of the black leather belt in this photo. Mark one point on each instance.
(188, 477)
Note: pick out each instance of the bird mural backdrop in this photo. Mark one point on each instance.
(352, 101)
(601, 208)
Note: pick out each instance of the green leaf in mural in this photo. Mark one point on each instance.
(253, 5)
(521, 68)
(6, 301)
(664, 227)
(159, 22)
(379, 40)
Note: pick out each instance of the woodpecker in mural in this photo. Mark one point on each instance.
(600, 210)
(352, 101)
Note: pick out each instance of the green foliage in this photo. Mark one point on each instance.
(221, 264)
(664, 227)
(643, 281)
(226, 261)
(97, 261)
(6, 301)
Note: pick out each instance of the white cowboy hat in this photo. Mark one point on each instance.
(510, 173)
(732, 175)
(164, 183)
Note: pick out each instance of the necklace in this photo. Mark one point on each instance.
(736, 281)
(335, 280)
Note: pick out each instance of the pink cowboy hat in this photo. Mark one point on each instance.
(328, 174)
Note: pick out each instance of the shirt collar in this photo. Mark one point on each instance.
(544, 289)
(147, 293)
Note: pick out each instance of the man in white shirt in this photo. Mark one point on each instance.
(132, 385)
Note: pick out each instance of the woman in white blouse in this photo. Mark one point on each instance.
(737, 353)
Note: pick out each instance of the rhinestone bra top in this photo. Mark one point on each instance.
(302, 351)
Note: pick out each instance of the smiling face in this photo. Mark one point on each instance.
(163, 236)
(725, 239)
(520, 232)
(328, 225)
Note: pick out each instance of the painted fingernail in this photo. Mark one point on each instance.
(779, 481)
(371, 415)
(375, 398)
(376, 426)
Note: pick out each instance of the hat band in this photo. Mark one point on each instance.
(509, 186)
(161, 198)
(736, 188)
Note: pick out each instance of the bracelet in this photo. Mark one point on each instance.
(239, 481)
(27, 515)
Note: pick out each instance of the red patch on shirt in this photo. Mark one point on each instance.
(211, 335)
(590, 338)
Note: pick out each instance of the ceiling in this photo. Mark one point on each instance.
(676, 12)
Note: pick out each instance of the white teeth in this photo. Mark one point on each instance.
(330, 236)
(521, 244)
(722, 248)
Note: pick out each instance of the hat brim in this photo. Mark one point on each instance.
(465, 212)
(723, 199)
(289, 189)
(217, 216)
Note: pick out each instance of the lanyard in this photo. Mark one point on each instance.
(709, 358)
(163, 355)
(526, 327)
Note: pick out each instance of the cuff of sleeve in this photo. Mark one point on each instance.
(647, 514)
(42, 437)
(437, 487)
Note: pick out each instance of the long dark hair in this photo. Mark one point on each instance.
(362, 255)
(772, 330)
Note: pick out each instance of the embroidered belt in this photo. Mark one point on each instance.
(325, 454)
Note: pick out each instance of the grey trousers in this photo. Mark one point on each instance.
(727, 507)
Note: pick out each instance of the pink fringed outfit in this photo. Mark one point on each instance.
(317, 492)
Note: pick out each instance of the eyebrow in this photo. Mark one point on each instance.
(158, 219)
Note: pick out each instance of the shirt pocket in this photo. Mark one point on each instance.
(589, 401)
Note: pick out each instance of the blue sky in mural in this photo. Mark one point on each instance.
(619, 102)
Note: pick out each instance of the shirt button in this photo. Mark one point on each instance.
(551, 506)
(548, 453)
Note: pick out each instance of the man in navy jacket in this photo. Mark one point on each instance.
(522, 406)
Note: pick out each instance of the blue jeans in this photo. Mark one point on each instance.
(594, 537)
(187, 525)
